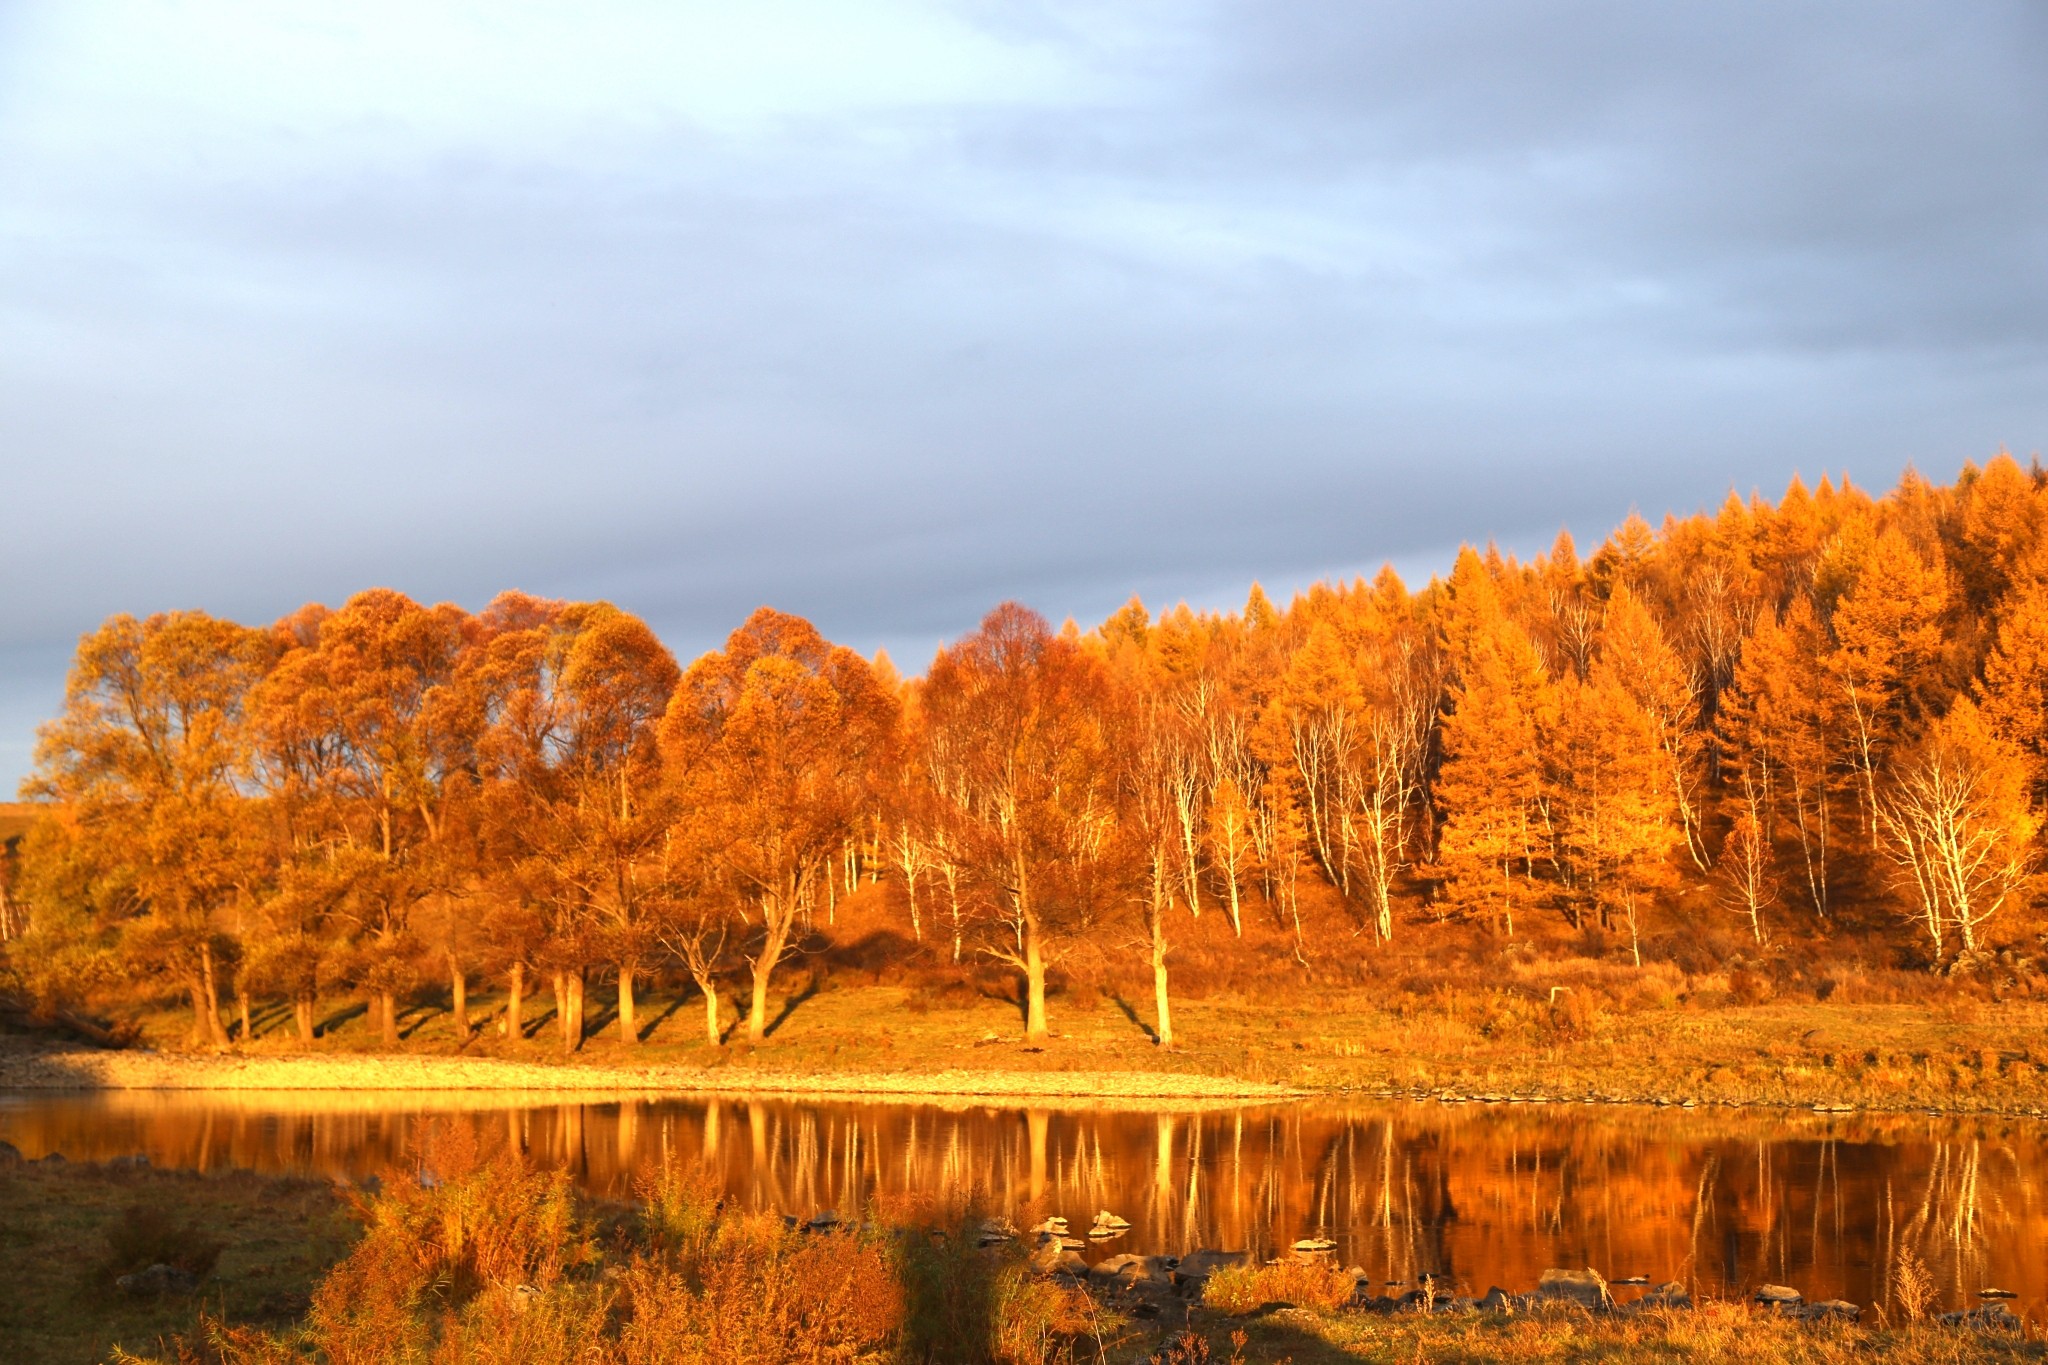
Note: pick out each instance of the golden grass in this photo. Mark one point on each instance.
(1957, 1054)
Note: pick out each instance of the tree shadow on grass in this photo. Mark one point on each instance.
(353, 1010)
(1131, 1013)
(418, 1014)
(647, 1029)
(532, 1025)
(263, 1018)
(790, 1006)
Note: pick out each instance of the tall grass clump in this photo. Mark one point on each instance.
(476, 1259)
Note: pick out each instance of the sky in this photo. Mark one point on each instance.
(883, 313)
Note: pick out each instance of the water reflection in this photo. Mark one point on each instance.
(1482, 1195)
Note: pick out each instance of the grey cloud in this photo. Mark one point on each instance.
(1275, 290)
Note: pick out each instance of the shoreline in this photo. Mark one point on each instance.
(86, 1072)
(34, 1070)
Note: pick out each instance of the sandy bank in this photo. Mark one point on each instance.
(26, 1068)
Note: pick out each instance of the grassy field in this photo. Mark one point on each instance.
(68, 1231)
(1950, 1053)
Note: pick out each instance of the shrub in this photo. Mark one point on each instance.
(145, 1235)
(1242, 1289)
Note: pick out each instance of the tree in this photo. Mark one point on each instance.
(1749, 885)
(1491, 783)
(1959, 828)
(1014, 726)
(146, 756)
(1888, 643)
(770, 743)
(368, 738)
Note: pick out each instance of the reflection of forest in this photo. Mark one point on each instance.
(1482, 1195)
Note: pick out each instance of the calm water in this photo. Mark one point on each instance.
(1481, 1194)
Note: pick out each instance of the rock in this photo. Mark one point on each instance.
(994, 1230)
(1196, 1267)
(1996, 1294)
(133, 1162)
(1779, 1296)
(158, 1279)
(1115, 1268)
(1584, 1287)
(1496, 1300)
(824, 1221)
(1833, 1308)
(53, 1159)
(10, 1155)
(1990, 1317)
(523, 1296)
(1052, 1224)
(1670, 1294)
(1314, 1246)
(1631, 1280)
(1108, 1222)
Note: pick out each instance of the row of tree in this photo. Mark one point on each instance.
(1770, 704)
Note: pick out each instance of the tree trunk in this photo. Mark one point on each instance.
(195, 986)
(1159, 1000)
(216, 1032)
(764, 967)
(572, 1037)
(387, 1010)
(513, 1000)
(628, 1031)
(560, 982)
(1034, 982)
(710, 990)
(458, 998)
(302, 1013)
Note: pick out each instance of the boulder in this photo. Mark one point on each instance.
(135, 1161)
(1052, 1224)
(823, 1221)
(1989, 1317)
(53, 1159)
(1196, 1267)
(1583, 1287)
(1834, 1308)
(1779, 1296)
(1496, 1300)
(1108, 1224)
(994, 1230)
(157, 1279)
(10, 1155)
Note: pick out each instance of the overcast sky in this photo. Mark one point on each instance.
(881, 312)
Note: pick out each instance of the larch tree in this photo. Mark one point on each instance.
(1888, 633)
(771, 743)
(1490, 785)
(2013, 692)
(1013, 716)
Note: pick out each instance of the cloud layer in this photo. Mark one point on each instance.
(885, 312)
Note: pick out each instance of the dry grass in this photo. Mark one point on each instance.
(481, 1258)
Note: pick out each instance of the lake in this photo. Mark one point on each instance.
(1479, 1194)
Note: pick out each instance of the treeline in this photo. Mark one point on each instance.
(1787, 718)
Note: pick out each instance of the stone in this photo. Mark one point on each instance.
(1996, 1294)
(1990, 1317)
(157, 1279)
(1314, 1246)
(53, 1159)
(1778, 1295)
(1052, 1224)
(1834, 1308)
(1195, 1268)
(1583, 1287)
(10, 1155)
(1110, 1222)
(995, 1230)
(824, 1221)
(1496, 1300)
(133, 1162)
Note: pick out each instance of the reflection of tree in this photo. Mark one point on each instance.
(1486, 1196)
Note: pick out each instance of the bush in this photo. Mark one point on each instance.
(1242, 1289)
(145, 1235)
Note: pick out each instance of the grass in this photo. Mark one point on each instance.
(1726, 1334)
(67, 1231)
(1954, 1054)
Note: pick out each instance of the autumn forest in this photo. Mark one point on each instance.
(1799, 731)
